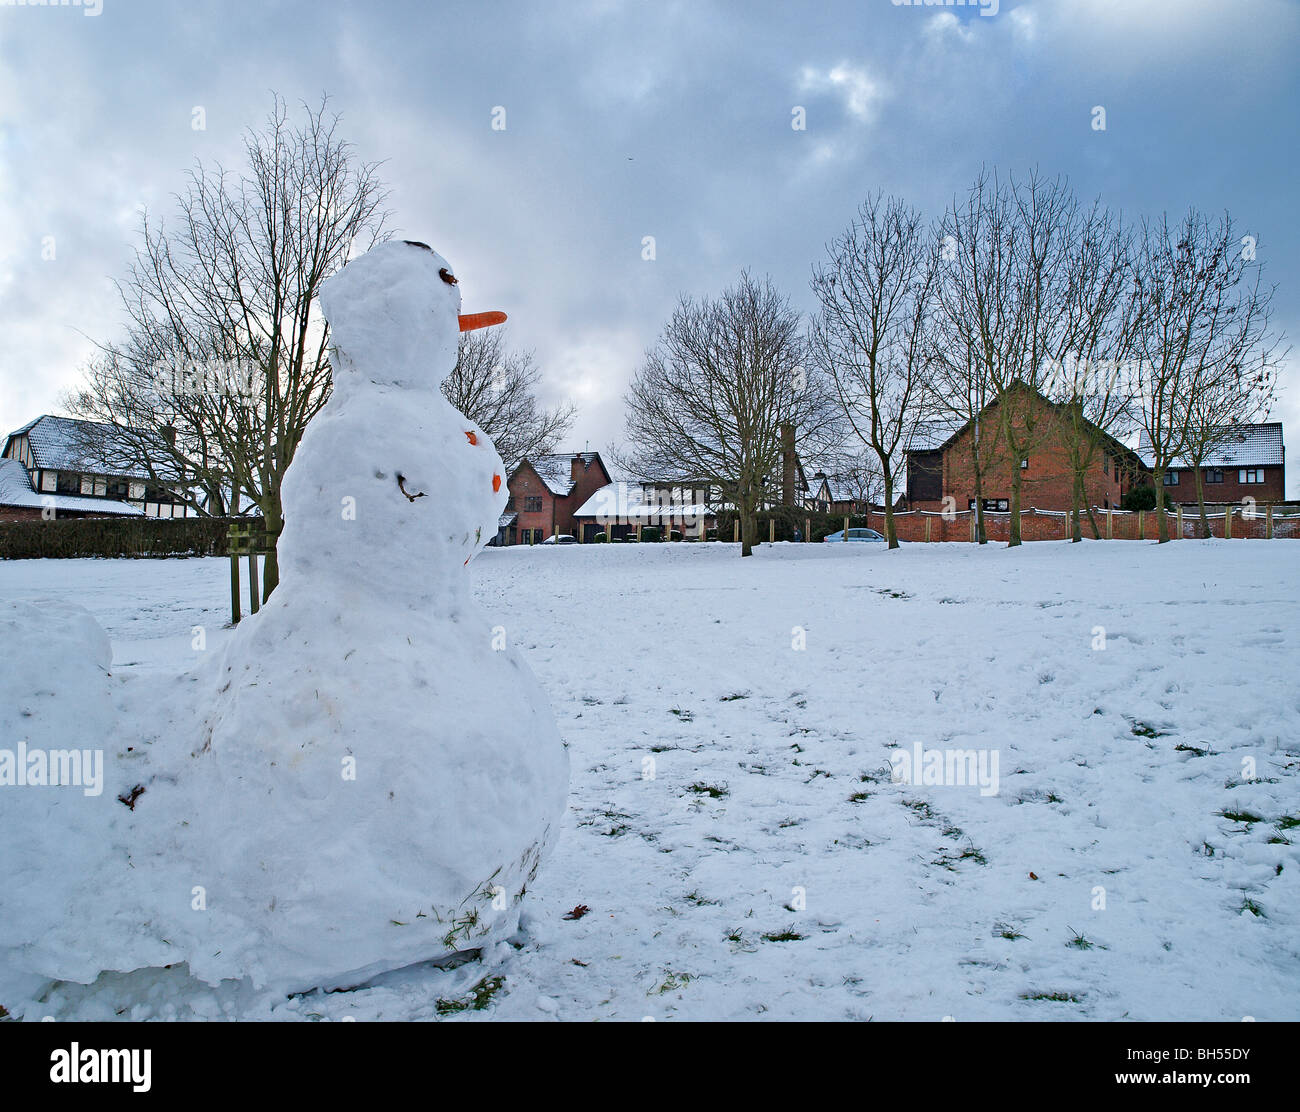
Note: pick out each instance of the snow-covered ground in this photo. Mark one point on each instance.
(733, 828)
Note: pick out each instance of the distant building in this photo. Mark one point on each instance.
(68, 458)
(941, 466)
(1249, 462)
(622, 509)
(545, 492)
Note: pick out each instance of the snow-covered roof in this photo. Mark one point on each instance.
(1242, 446)
(68, 444)
(16, 490)
(556, 471)
(507, 519)
(629, 502)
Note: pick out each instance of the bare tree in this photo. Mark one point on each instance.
(710, 399)
(870, 338)
(232, 286)
(1087, 385)
(496, 388)
(1204, 342)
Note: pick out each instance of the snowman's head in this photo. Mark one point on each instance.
(394, 314)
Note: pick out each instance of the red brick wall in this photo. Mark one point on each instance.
(1045, 482)
(1230, 490)
(556, 514)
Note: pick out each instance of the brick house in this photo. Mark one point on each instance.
(66, 458)
(545, 492)
(622, 509)
(20, 502)
(1249, 462)
(940, 466)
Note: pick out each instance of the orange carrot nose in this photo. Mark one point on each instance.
(471, 321)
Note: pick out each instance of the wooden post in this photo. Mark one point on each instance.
(735, 531)
(1180, 521)
(927, 527)
(253, 587)
(1142, 533)
(1110, 523)
(846, 529)
(1227, 523)
(1268, 522)
(972, 527)
(771, 530)
(807, 528)
(234, 577)
(638, 531)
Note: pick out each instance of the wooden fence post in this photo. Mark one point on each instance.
(253, 586)
(1110, 523)
(1142, 533)
(927, 527)
(1180, 521)
(1227, 523)
(234, 576)
(1268, 522)
(735, 531)
(846, 529)
(807, 529)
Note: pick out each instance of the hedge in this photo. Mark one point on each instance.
(115, 537)
(788, 519)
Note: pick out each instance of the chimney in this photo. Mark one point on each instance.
(787, 465)
(576, 467)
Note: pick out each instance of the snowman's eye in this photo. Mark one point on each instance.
(447, 276)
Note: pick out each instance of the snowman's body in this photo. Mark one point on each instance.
(371, 778)
(386, 774)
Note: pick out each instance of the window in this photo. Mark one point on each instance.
(119, 489)
(1024, 463)
(533, 504)
(69, 482)
(1214, 474)
(1250, 475)
(1171, 478)
(1105, 463)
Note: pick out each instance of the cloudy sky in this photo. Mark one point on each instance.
(623, 120)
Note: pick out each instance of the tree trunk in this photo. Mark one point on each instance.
(891, 531)
(1200, 500)
(1092, 520)
(1162, 521)
(273, 516)
(748, 527)
(1015, 501)
(980, 536)
(1076, 501)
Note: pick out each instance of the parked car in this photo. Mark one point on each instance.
(854, 535)
(560, 538)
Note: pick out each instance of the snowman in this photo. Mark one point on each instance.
(381, 775)
(372, 776)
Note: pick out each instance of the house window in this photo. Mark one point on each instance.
(1214, 474)
(1171, 478)
(533, 504)
(1251, 475)
(1105, 463)
(69, 483)
(118, 488)
(1024, 463)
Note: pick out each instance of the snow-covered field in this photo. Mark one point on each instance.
(733, 828)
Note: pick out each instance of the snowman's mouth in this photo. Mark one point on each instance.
(470, 321)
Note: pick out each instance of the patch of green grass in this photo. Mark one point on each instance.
(478, 998)
(1055, 997)
(1288, 822)
(1241, 816)
(1145, 729)
(923, 810)
(1007, 931)
(713, 791)
(684, 715)
(695, 899)
(1278, 840)
(1195, 750)
(1078, 941)
(1250, 905)
(672, 983)
(734, 696)
(787, 935)
(859, 797)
